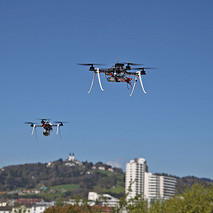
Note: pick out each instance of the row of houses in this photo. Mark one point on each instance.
(102, 168)
(27, 205)
(24, 205)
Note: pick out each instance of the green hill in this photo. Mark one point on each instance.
(61, 178)
(68, 179)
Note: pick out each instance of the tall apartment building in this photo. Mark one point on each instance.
(141, 182)
(135, 173)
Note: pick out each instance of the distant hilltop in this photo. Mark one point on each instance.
(69, 177)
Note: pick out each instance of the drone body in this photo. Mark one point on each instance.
(47, 126)
(119, 73)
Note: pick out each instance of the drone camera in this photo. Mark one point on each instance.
(46, 132)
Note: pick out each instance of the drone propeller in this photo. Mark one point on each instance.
(143, 68)
(128, 64)
(90, 64)
(60, 122)
(31, 123)
(28, 122)
(132, 64)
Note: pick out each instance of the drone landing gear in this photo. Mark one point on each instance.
(96, 72)
(136, 78)
(58, 132)
(34, 131)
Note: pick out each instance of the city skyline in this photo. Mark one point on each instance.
(171, 125)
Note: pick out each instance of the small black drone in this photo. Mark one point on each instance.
(47, 126)
(120, 72)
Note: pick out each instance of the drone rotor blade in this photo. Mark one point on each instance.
(99, 79)
(134, 85)
(60, 122)
(140, 78)
(28, 122)
(144, 68)
(132, 64)
(92, 82)
(90, 64)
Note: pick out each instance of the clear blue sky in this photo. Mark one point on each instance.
(171, 126)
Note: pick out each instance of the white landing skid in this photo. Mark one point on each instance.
(96, 72)
(136, 78)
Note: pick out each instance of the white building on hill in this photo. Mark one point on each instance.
(42, 206)
(102, 199)
(71, 157)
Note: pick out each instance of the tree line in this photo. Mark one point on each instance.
(197, 199)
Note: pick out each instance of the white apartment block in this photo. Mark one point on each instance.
(159, 186)
(152, 189)
(141, 182)
(135, 173)
(167, 186)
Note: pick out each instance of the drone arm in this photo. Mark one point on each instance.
(92, 82)
(99, 78)
(140, 78)
(134, 85)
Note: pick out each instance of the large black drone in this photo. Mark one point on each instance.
(47, 126)
(120, 72)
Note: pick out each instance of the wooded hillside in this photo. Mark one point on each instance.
(70, 179)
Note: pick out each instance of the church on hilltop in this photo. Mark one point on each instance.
(71, 157)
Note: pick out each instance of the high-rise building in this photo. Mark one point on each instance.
(151, 186)
(135, 173)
